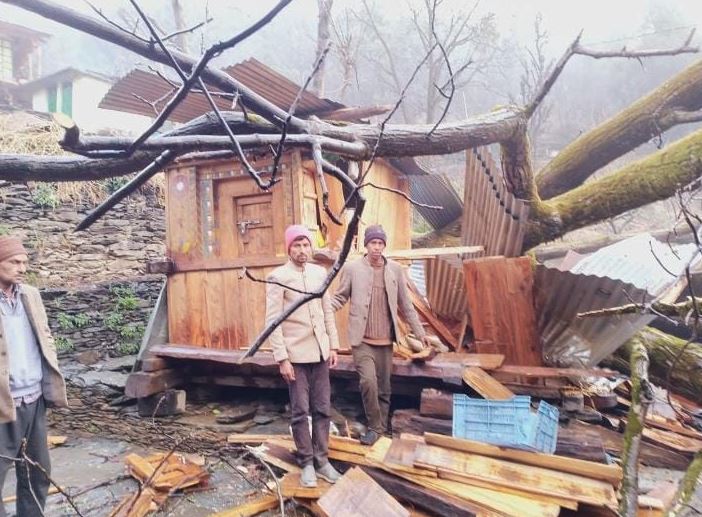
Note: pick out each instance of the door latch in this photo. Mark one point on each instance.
(245, 224)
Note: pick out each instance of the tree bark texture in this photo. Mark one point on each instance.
(645, 119)
(662, 348)
(653, 178)
(641, 398)
(688, 486)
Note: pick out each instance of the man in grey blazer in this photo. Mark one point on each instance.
(377, 288)
(30, 379)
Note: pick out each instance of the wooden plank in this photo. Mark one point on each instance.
(551, 500)
(217, 313)
(178, 328)
(485, 385)
(290, 487)
(513, 503)
(673, 426)
(425, 253)
(259, 505)
(610, 473)
(484, 361)
(12, 498)
(537, 480)
(435, 323)
(341, 443)
(500, 301)
(357, 494)
(430, 500)
(197, 322)
(549, 373)
(651, 454)
(674, 441)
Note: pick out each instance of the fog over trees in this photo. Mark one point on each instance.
(500, 52)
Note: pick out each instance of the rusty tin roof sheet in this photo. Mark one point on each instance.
(124, 95)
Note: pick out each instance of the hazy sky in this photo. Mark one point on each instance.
(601, 19)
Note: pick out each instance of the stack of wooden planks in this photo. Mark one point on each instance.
(159, 476)
(440, 475)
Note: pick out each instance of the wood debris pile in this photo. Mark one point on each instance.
(159, 476)
(440, 475)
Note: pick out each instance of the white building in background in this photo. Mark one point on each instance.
(77, 93)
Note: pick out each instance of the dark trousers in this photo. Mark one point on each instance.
(374, 366)
(32, 484)
(309, 396)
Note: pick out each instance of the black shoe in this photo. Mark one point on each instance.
(369, 438)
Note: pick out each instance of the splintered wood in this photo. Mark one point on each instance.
(160, 475)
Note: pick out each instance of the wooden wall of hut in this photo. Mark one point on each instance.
(219, 221)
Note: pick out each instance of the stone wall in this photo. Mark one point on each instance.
(104, 319)
(118, 246)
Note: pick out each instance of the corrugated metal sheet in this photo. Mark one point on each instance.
(432, 189)
(640, 260)
(570, 341)
(435, 190)
(416, 274)
(446, 288)
(251, 73)
(492, 217)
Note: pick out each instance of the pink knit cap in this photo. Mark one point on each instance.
(11, 246)
(294, 232)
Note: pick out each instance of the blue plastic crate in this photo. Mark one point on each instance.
(511, 422)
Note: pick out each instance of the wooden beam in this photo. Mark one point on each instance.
(143, 384)
(609, 473)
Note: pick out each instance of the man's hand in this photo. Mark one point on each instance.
(333, 358)
(287, 371)
(426, 342)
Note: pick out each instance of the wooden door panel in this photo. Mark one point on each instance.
(253, 221)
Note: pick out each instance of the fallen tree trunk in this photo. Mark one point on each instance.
(645, 119)
(686, 378)
(653, 178)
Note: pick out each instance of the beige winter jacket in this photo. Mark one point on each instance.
(356, 283)
(310, 332)
(53, 385)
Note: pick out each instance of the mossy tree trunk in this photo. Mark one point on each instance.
(651, 179)
(647, 118)
(641, 398)
(662, 348)
(688, 486)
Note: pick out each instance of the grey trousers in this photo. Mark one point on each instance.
(32, 484)
(310, 396)
(374, 366)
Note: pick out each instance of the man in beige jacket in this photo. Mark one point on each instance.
(305, 346)
(29, 379)
(377, 288)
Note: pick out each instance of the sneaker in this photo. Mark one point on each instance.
(308, 478)
(369, 437)
(328, 473)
